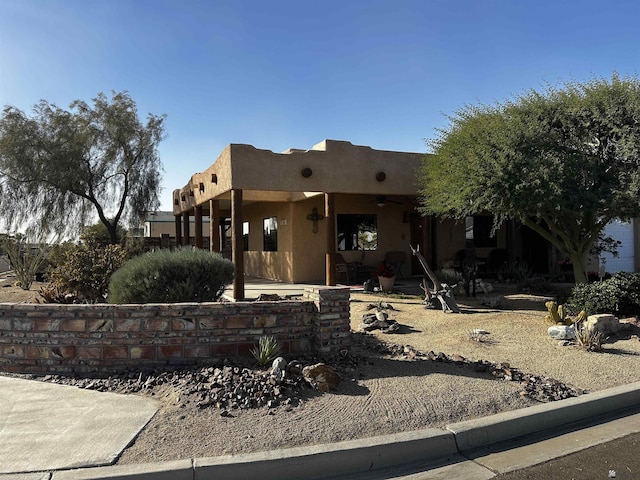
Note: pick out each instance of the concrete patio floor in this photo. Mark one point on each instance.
(254, 286)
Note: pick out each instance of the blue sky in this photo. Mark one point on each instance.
(281, 74)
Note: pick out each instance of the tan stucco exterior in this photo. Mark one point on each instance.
(290, 185)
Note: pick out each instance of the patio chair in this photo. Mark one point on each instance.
(344, 270)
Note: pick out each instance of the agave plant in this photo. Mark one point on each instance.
(589, 338)
(266, 351)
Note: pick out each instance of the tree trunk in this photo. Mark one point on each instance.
(113, 233)
(579, 275)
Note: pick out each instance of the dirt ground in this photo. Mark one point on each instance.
(386, 394)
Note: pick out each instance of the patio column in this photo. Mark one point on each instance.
(330, 260)
(237, 245)
(198, 218)
(178, 229)
(214, 226)
(185, 228)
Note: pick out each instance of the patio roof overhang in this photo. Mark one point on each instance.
(329, 167)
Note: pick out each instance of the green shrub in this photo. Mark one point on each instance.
(619, 296)
(28, 259)
(163, 276)
(83, 271)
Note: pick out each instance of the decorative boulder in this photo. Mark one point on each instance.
(278, 369)
(603, 323)
(562, 332)
(321, 377)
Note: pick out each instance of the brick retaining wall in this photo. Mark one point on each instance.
(104, 338)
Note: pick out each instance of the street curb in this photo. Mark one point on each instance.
(330, 460)
(315, 461)
(173, 470)
(503, 426)
(365, 455)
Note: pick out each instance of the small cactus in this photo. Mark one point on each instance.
(558, 316)
(553, 317)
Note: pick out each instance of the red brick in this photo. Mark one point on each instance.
(145, 352)
(63, 352)
(22, 325)
(156, 325)
(245, 348)
(37, 352)
(183, 324)
(265, 321)
(290, 321)
(74, 325)
(13, 351)
(224, 349)
(88, 353)
(239, 322)
(170, 351)
(127, 324)
(197, 351)
(210, 323)
(100, 325)
(46, 325)
(114, 351)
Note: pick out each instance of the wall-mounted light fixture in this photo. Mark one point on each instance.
(306, 172)
(381, 176)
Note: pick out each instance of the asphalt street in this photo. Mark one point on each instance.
(618, 459)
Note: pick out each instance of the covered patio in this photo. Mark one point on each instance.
(293, 216)
(254, 287)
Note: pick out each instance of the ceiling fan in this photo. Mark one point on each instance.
(382, 200)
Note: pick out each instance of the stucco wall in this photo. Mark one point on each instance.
(49, 338)
(308, 247)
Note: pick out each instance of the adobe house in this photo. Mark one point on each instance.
(292, 212)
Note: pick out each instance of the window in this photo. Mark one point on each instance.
(245, 236)
(357, 232)
(270, 234)
(478, 232)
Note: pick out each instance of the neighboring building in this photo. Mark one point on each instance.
(628, 259)
(292, 216)
(158, 224)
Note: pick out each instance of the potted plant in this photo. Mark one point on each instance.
(386, 276)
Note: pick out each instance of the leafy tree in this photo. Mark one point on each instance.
(563, 161)
(98, 232)
(59, 168)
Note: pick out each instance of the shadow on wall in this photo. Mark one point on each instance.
(269, 265)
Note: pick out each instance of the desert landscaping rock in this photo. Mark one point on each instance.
(322, 377)
(562, 332)
(604, 323)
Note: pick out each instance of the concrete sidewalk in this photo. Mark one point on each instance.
(44, 426)
(473, 450)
